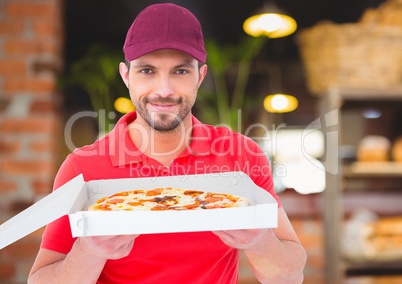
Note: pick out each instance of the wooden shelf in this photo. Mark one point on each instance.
(385, 263)
(387, 175)
(373, 169)
(393, 279)
(361, 94)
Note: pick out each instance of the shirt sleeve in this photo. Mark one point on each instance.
(57, 235)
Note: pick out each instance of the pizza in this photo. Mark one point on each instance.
(167, 198)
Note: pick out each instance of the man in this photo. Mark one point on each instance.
(165, 66)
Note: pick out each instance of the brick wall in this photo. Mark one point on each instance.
(31, 43)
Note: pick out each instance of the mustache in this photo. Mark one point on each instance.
(160, 100)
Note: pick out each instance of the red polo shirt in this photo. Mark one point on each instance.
(198, 257)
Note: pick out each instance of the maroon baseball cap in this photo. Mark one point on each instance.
(165, 26)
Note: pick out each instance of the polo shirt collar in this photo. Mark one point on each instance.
(201, 138)
(122, 150)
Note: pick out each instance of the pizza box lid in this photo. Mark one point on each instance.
(67, 199)
(75, 196)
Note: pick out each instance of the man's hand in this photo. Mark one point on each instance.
(107, 247)
(276, 255)
(252, 240)
(84, 262)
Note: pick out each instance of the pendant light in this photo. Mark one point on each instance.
(278, 102)
(271, 22)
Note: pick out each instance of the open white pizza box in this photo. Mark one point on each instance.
(75, 196)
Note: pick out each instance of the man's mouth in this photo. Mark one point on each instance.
(165, 105)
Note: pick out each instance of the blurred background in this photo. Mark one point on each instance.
(324, 101)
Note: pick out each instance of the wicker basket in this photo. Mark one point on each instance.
(351, 56)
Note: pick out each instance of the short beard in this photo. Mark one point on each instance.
(160, 122)
(164, 121)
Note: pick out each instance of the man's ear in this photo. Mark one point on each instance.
(124, 72)
(203, 73)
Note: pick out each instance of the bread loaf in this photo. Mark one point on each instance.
(373, 148)
(396, 152)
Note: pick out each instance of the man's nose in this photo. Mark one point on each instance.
(165, 86)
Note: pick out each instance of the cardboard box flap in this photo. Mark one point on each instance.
(63, 201)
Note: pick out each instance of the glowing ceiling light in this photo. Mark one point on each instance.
(279, 103)
(123, 105)
(270, 22)
(372, 113)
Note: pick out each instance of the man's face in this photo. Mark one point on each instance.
(163, 87)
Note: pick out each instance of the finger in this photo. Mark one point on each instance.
(126, 238)
(125, 248)
(232, 234)
(225, 237)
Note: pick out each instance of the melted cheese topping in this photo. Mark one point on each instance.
(170, 198)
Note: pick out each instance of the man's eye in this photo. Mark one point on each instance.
(181, 71)
(146, 71)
